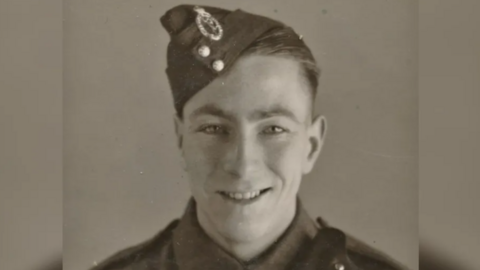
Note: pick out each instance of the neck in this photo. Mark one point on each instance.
(247, 250)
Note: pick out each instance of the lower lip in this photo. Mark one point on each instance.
(246, 201)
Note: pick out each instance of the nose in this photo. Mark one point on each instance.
(242, 157)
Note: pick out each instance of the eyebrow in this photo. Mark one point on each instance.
(278, 110)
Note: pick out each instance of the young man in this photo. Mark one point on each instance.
(243, 87)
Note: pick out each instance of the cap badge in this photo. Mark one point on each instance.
(205, 20)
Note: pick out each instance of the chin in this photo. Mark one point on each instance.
(243, 231)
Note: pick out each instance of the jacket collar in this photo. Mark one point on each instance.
(193, 249)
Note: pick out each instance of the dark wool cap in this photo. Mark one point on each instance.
(205, 42)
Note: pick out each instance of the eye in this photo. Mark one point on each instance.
(213, 129)
(274, 130)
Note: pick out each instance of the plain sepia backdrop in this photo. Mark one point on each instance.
(122, 178)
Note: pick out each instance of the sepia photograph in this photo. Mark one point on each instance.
(221, 134)
(240, 135)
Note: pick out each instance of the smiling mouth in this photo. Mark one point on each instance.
(244, 196)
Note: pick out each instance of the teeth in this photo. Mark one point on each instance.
(243, 196)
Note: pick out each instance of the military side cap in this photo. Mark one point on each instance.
(204, 43)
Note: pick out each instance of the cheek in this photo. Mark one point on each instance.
(199, 164)
(201, 155)
(285, 157)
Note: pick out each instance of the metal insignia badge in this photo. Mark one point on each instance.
(203, 19)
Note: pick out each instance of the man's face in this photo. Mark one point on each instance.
(246, 140)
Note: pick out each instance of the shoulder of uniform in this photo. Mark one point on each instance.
(126, 257)
(363, 255)
(367, 257)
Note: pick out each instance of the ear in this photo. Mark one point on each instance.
(179, 132)
(316, 137)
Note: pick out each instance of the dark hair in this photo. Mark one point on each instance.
(284, 42)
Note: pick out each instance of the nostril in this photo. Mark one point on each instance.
(241, 168)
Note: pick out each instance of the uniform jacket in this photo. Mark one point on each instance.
(306, 245)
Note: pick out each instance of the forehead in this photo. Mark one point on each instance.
(256, 83)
